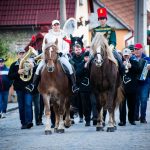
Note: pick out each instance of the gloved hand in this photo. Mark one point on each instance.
(60, 54)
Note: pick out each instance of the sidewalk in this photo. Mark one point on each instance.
(12, 106)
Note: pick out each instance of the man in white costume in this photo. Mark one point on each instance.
(63, 50)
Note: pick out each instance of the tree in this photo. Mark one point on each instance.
(3, 49)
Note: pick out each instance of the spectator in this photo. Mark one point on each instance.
(143, 83)
(5, 84)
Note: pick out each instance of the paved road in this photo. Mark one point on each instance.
(77, 137)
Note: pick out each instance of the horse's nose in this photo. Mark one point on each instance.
(51, 69)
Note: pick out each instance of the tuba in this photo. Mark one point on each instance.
(25, 64)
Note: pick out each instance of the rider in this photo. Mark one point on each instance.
(111, 34)
(63, 47)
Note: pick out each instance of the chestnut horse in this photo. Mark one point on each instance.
(105, 81)
(55, 89)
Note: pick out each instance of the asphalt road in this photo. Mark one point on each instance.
(77, 137)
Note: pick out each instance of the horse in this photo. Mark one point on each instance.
(76, 40)
(105, 81)
(55, 89)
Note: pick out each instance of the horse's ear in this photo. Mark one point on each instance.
(105, 34)
(56, 42)
(82, 37)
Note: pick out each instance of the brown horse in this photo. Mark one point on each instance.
(55, 89)
(105, 81)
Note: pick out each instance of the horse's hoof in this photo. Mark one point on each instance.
(47, 132)
(110, 129)
(99, 129)
(66, 126)
(55, 130)
(60, 130)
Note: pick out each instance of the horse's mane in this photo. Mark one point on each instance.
(100, 40)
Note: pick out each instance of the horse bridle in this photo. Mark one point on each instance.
(99, 61)
(50, 68)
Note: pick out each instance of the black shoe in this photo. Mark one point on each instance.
(143, 121)
(121, 124)
(30, 87)
(39, 123)
(75, 89)
(81, 120)
(87, 124)
(137, 119)
(94, 122)
(132, 123)
(29, 125)
(24, 127)
(52, 126)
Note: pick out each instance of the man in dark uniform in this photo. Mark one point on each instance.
(110, 34)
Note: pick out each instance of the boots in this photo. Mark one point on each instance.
(34, 84)
(75, 89)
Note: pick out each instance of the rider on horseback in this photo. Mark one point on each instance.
(63, 47)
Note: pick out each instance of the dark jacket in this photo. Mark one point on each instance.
(15, 77)
(131, 77)
(82, 74)
(5, 83)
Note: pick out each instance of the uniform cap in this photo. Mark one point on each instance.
(102, 13)
(126, 51)
(138, 46)
(55, 21)
(1, 60)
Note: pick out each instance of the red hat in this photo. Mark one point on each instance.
(102, 12)
(138, 46)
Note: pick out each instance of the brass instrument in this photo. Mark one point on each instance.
(25, 64)
(38, 58)
(126, 66)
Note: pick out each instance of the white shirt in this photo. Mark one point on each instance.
(51, 37)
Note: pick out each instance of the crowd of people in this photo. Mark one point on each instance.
(133, 65)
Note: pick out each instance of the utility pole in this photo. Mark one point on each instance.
(140, 22)
(62, 12)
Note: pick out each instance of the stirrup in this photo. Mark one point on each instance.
(30, 87)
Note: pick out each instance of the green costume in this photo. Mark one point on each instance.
(111, 34)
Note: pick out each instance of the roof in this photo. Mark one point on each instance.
(124, 10)
(32, 12)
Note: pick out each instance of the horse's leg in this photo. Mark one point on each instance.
(99, 126)
(55, 107)
(67, 121)
(114, 121)
(61, 114)
(110, 99)
(46, 100)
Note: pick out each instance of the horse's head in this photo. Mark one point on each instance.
(99, 49)
(76, 40)
(51, 54)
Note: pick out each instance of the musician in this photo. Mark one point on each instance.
(79, 61)
(24, 98)
(63, 46)
(143, 83)
(130, 84)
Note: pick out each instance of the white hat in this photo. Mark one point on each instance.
(21, 50)
(126, 51)
(55, 21)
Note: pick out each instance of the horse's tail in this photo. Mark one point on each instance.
(120, 95)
